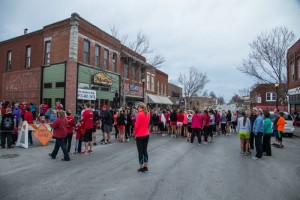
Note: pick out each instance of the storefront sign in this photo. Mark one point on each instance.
(133, 88)
(102, 79)
(86, 94)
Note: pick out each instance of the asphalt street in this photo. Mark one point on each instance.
(178, 170)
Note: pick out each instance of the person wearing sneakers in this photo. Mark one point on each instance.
(280, 127)
(206, 127)
(60, 129)
(197, 126)
(243, 129)
(141, 132)
(87, 120)
(107, 124)
(258, 130)
(267, 134)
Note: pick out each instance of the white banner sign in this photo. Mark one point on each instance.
(86, 94)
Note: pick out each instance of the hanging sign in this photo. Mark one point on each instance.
(86, 94)
(102, 79)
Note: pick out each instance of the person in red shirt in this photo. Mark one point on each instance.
(141, 132)
(167, 116)
(29, 118)
(44, 108)
(60, 129)
(206, 119)
(87, 120)
(79, 136)
(180, 119)
(71, 123)
(23, 108)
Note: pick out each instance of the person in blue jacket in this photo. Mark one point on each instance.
(258, 130)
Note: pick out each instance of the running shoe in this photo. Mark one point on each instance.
(205, 142)
(140, 170)
(247, 154)
(255, 158)
(127, 140)
(82, 153)
(90, 151)
(242, 153)
(95, 144)
(145, 169)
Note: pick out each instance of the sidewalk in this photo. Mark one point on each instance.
(297, 131)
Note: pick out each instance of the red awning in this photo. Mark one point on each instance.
(270, 108)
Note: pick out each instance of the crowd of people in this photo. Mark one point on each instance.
(138, 123)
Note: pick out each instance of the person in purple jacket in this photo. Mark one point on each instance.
(17, 113)
(197, 126)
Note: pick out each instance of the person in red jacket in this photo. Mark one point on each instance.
(141, 132)
(71, 123)
(206, 128)
(87, 120)
(28, 116)
(60, 129)
(79, 136)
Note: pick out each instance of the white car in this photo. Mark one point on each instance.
(289, 128)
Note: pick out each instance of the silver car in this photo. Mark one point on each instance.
(289, 128)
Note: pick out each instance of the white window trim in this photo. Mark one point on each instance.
(271, 96)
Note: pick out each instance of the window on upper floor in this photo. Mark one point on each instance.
(292, 71)
(141, 75)
(148, 81)
(298, 64)
(28, 57)
(158, 87)
(114, 63)
(152, 83)
(125, 70)
(106, 54)
(8, 62)
(47, 52)
(97, 56)
(271, 96)
(86, 52)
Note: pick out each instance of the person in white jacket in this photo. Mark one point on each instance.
(243, 130)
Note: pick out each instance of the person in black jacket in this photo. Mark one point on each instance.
(121, 122)
(173, 121)
(128, 125)
(106, 117)
(252, 119)
(8, 124)
(155, 122)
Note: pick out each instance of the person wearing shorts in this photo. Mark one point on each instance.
(87, 120)
(180, 119)
(243, 130)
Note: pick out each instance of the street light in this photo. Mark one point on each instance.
(143, 81)
(277, 86)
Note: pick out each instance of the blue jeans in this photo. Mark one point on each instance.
(60, 143)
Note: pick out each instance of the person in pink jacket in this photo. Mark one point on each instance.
(197, 126)
(141, 133)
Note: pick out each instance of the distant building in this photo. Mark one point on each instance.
(175, 95)
(264, 97)
(201, 103)
(293, 77)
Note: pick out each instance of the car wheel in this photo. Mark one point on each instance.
(290, 135)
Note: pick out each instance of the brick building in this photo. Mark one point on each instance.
(71, 61)
(175, 94)
(156, 87)
(264, 96)
(293, 76)
(201, 103)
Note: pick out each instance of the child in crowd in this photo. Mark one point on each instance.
(79, 136)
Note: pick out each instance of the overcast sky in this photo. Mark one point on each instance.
(213, 35)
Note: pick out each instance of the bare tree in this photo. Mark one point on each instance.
(244, 92)
(236, 99)
(141, 45)
(212, 94)
(266, 61)
(192, 83)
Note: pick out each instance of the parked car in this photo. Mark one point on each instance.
(289, 128)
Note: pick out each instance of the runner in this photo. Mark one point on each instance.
(243, 130)
(211, 124)
(107, 123)
(206, 128)
(173, 121)
(223, 122)
(141, 131)
(280, 127)
(267, 135)
(87, 120)
(197, 126)
(71, 123)
(258, 129)
(180, 119)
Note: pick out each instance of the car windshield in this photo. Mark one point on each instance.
(286, 116)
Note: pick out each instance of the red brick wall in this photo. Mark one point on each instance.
(292, 56)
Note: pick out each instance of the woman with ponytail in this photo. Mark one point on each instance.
(141, 132)
(243, 130)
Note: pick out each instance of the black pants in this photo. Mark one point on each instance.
(68, 141)
(206, 132)
(211, 129)
(223, 128)
(30, 137)
(267, 144)
(259, 144)
(60, 143)
(251, 140)
(6, 136)
(197, 132)
(142, 143)
(116, 132)
(127, 132)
